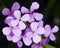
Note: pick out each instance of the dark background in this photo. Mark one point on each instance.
(50, 9)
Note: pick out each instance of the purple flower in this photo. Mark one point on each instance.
(7, 12)
(39, 45)
(37, 31)
(49, 32)
(34, 6)
(20, 20)
(12, 34)
(27, 37)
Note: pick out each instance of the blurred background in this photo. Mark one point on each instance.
(51, 11)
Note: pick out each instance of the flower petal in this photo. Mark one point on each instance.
(17, 14)
(9, 38)
(6, 30)
(6, 11)
(36, 38)
(40, 23)
(14, 23)
(22, 25)
(33, 45)
(55, 29)
(31, 19)
(38, 16)
(34, 6)
(8, 20)
(27, 41)
(17, 32)
(47, 30)
(15, 6)
(25, 17)
(34, 26)
(52, 37)
(15, 39)
(40, 30)
(24, 10)
(19, 44)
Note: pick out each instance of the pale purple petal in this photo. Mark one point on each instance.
(6, 11)
(34, 6)
(52, 37)
(15, 39)
(9, 38)
(6, 30)
(15, 6)
(40, 23)
(40, 30)
(22, 25)
(24, 10)
(14, 23)
(55, 29)
(17, 32)
(8, 20)
(38, 16)
(17, 14)
(27, 41)
(25, 17)
(40, 46)
(34, 26)
(36, 38)
(19, 44)
(47, 30)
(31, 18)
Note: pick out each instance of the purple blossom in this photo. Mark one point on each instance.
(14, 7)
(20, 20)
(37, 31)
(12, 34)
(34, 6)
(49, 32)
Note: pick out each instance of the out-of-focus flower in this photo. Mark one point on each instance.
(49, 32)
(34, 6)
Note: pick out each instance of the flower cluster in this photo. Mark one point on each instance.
(27, 26)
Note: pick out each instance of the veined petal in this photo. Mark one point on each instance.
(6, 30)
(36, 38)
(34, 26)
(22, 25)
(25, 17)
(27, 41)
(52, 37)
(34, 6)
(15, 6)
(24, 10)
(47, 30)
(6, 11)
(17, 32)
(17, 14)
(38, 16)
(40, 30)
(19, 44)
(14, 23)
(55, 29)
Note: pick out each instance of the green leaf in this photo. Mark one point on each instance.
(48, 46)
